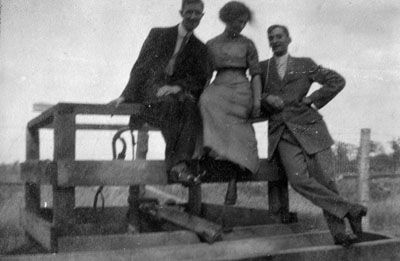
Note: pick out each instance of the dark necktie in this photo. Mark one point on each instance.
(169, 70)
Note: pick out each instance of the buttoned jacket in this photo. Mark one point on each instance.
(148, 73)
(304, 122)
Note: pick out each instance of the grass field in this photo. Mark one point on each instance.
(384, 206)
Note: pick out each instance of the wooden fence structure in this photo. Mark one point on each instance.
(181, 234)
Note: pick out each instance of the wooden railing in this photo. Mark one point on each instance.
(64, 172)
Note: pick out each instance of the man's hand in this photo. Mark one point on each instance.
(117, 102)
(307, 101)
(275, 101)
(168, 89)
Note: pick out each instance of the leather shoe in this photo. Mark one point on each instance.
(345, 240)
(355, 215)
(182, 174)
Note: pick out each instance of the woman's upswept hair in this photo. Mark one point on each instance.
(233, 10)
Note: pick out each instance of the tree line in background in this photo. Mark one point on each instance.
(347, 157)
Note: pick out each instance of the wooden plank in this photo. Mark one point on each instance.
(207, 230)
(278, 199)
(137, 191)
(42, 120)
(104, 109)
(248, 249)
(265, 231)
(279, 248)
(11, 175)
(194, 200)
(85, 221)
(39, 172)
(32, 191)
(39, 229)
(46, 117)
(94, 173)
(113, 172)
(64, 148)
(233, 216)
(126, 241)
(388, 249)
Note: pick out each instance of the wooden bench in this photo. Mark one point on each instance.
(51, 226)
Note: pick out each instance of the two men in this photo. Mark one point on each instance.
(298, 138)
(168, 78)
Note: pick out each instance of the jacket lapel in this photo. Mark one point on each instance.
(170, 41)
(272, 78)
(289, 70)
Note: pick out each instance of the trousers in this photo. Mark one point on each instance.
(179, 120)
(312, 176)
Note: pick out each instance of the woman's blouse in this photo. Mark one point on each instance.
(234, 52)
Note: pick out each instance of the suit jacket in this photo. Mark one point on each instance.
(148, 72)
(304, 122)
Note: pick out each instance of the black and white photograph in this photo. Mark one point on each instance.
(199, 130)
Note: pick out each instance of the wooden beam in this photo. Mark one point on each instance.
(233, 216)
(207, 230)
(265, 231)
(85, 221)
(112, 173)
(278, 248)
(95, 173)
(46, 117)
(42, 120)
(103, 109)
(64, 149)
(125, 241)
(41, 172)
(11, 175)
(39, 229)
(136, 191)
(32, 191)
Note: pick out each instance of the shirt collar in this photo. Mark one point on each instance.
(282, 59)
(182, 31)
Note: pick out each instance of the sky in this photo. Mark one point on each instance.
(83, 50)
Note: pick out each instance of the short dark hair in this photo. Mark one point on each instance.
(233, 10)
(273, 27)
(186, 2)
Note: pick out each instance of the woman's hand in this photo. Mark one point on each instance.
(117, 102)
(256, 109)
(168, 89)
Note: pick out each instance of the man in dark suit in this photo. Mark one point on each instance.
(168, 78)
(298, 138)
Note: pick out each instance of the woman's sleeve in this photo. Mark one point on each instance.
(252, 59)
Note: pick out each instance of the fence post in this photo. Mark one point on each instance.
(363, 171)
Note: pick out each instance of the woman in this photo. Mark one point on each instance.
(229, 102)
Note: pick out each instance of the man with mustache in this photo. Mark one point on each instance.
(298, 138)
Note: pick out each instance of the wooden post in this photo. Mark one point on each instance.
(32, 191)
(194, 200)
(136, 191)
(363, 170)
(64, 148)
(207, 230)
